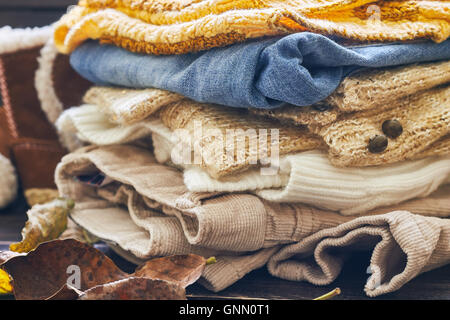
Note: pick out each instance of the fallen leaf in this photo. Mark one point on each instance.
(136, 289)
(6, 255)
(69, 269)
(5, 281)
(45, 222)
(67, 292)
(40, 196)
(44, 271)
(5, 285)
(181, 269)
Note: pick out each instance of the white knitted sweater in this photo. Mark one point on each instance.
(306, 177)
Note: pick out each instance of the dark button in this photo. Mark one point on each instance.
(378, 144)
(392, 128)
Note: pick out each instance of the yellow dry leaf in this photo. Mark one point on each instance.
(45, 222)
(5, 285)
(40, 196)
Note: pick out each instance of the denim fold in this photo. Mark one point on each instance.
(299, 69)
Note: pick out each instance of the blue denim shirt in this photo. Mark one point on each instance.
(300, 69)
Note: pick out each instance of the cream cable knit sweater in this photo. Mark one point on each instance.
(306, 177)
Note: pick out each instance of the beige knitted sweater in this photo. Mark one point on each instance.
(414, 96)
(306, 177)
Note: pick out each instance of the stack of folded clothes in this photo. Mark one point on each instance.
(278, 133)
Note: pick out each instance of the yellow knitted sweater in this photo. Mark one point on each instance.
(180, 26)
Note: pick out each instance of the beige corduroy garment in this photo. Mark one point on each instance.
(149, 212)
(306, 177)
(404, 245)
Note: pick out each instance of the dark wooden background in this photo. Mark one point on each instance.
(30, 13)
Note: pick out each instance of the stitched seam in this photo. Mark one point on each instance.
(7, 103)
(32, 146)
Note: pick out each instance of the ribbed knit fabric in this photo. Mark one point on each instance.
(309, 177)
(127, 106)
(149, 212)
(161, 27)
(306, 177)
(67, 131)
(404, 245)
(91, 125)
(433, 205)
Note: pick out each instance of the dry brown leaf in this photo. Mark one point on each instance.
(40, 196)
(136, 289)
(6, 255)
(45, 222)
(44, 271)
(181, 269)
(67, 292)
(47, 272)
(5, 281)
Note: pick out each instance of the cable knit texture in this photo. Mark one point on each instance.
(126, 106)
(346, 139)
(149, 212)
(306, 177)
(369, 89)
(250, 137)
(425, 119)
(362, 90)
(174, 27)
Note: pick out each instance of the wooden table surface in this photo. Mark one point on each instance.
(259, 284)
